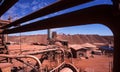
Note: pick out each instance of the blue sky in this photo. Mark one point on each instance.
(25, 7)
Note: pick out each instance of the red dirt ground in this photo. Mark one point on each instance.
(100, 63)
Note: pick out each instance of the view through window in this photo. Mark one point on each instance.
(91, 46)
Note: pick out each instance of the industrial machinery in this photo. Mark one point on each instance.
(3, 39)
(58, 57)
(106, 14)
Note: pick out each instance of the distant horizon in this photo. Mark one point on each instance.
(92, 29)
(61, 34)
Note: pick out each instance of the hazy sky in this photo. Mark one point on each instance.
(25, 7)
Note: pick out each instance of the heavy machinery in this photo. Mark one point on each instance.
(106, 14)
(3, 39)
(58, 57)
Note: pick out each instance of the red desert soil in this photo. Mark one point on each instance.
(72, 39)
(96, 64)
(100, 63)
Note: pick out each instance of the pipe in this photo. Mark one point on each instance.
(22, 56)
(63, 50)
(49, 35)
(71, 56)
(60, 5)
(25, 63)
(38, 52)
(57, 67)
(63, 64)
(6, 5)
(80, 17)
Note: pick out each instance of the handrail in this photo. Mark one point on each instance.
(5, 5)
(57, 67)
(39, 52)
(60, 5)
(22, 56)
(80, 17)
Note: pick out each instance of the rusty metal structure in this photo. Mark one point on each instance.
(108, 15)
(3, 39)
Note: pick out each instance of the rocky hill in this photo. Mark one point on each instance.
(72, 39)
